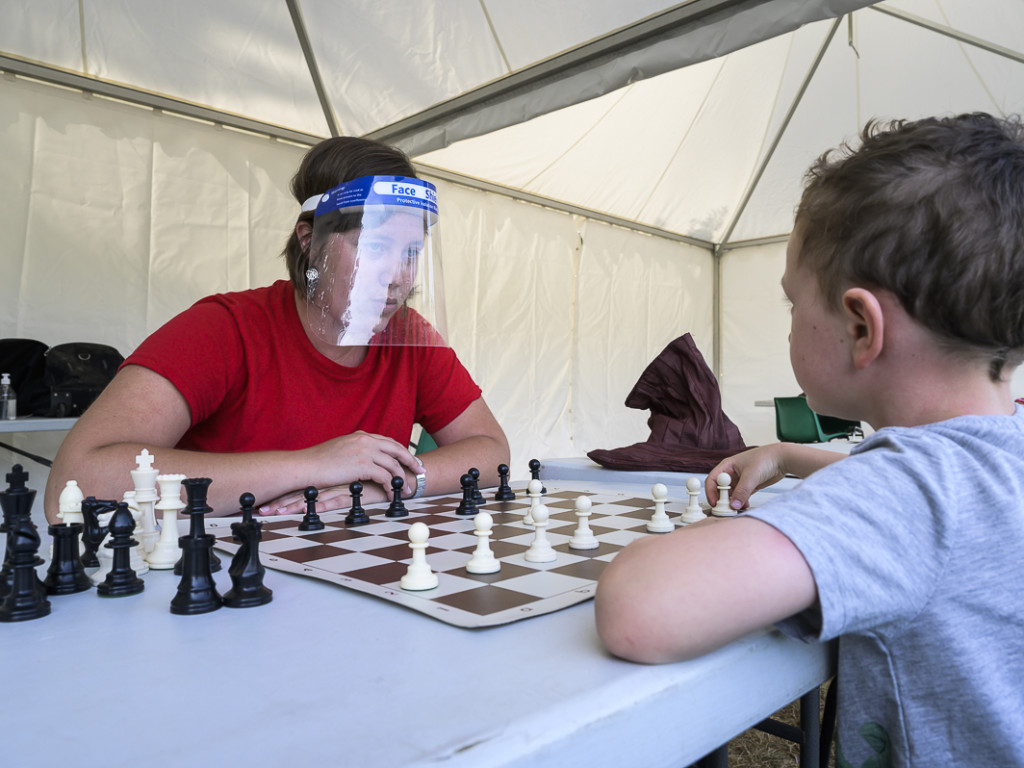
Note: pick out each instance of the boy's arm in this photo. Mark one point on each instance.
(678, 596)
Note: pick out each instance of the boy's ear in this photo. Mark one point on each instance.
(865, 325)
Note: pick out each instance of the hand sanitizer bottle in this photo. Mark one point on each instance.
(8, 398)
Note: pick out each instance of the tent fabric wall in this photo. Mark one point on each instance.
(122, 217)
(119, 217)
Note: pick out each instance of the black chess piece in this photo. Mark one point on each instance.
(66, 575)
(397, 507)
(25, 599)
(197, 592)
(356, 515)
(466, 507)
(311, 520)
(122, 579)
(196, 489)
(535, 473)
(246, 570)
(16, 502)
(478, 498)
(93, 532)
(504, 492)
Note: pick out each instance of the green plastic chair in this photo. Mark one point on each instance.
(423, 443)
(795, 422)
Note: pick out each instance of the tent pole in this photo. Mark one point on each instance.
(716, 312)
(314, 68)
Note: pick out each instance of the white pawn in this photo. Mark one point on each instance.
(144, 477)
(583, 537)
(693, 513)
(659, 522)
(533, 490)
(418, 577)
(166, 551)
(483, 559)
(540, 550)
(722, 508)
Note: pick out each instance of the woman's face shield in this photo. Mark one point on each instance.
(375, 268)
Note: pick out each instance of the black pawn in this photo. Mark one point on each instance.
(478, 498)
(196, 490)
(25, 599)
(466, 506)
(246, 571)
(397, 506)
(121, 580)
(66, 576)
(356, 515)
(311, 520)
(535, 473)
(504, 492)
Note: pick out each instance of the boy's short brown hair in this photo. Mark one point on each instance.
(932, 211)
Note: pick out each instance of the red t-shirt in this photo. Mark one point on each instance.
(254, 381)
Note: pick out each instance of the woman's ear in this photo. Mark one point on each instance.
(865, 325)
(304, 231)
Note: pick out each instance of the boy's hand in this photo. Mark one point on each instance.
(760, 467)
(750, 471)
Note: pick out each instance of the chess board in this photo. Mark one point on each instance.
(373, 557)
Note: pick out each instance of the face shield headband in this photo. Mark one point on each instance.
(374, 274)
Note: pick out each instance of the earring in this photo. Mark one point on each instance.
(312, 276)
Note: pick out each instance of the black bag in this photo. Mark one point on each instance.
(76, 373)
(25, 360)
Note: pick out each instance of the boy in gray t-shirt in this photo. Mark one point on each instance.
(906, 275)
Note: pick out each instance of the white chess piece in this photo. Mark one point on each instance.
(659, 522)
(722, 508)
(69, 509)
(583, 537)
(166, 551)
(693, 513)
(69, 506)
(483, 559)
(104, 554)
(533, 490)
(138, 556)
(418, 577)
(144, 477)
(540, 550)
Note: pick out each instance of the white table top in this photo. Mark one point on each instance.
(36, 424)
(326, 676)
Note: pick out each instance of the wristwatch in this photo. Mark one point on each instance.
(421, 484)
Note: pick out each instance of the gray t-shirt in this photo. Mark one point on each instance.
(916, 542)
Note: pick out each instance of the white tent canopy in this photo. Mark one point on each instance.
(612, 174)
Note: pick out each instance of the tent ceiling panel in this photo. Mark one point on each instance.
(236, 56)
(47, 31)
(532, 30)
(381, 62)
(684, 168)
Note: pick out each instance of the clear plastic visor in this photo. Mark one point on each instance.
(375, 269)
